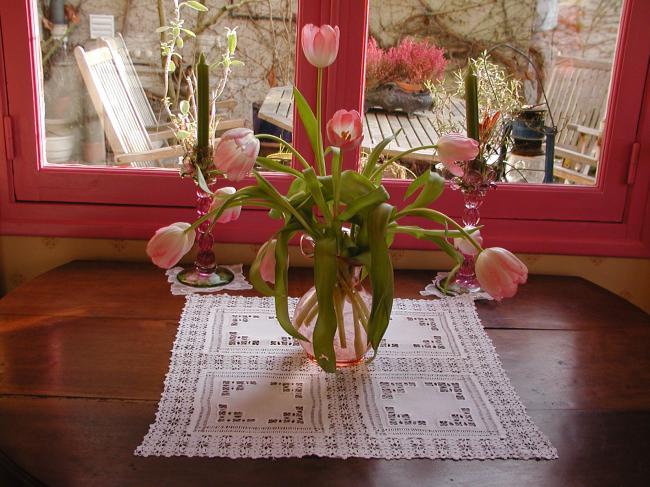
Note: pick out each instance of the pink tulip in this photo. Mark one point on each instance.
(218, 199)
(169, 244)
(344, 129)
(454, 148)
(236, 153)
(320, 44)
(500, 272)
(267, 263)
(465, 247)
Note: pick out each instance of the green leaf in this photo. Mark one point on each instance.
(432, 185)
(381, 274)
(171, 67)
(179, 42)
(281, 282)
(314, 187)
(308, 118)
(256, 278)
(325, 271)
(365, 202)
(428, 213)
(423, 233)
(274, 165)
(237, 62)
(336, 176)
(353, 186)
(195, 5)
(184, 106)
(200, 179)
(376, 154)
(162, 29)
(182, 134)
(188, 32)
(281, 201)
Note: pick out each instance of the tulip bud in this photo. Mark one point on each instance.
(454, 148)
(320, 44)
(345, 129)
(218, 199)
(267, 262)
(170, 243)
(466, 247)
(236, 153)
(500, 272)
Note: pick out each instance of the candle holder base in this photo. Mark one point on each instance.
(195, 278)
(458, 286)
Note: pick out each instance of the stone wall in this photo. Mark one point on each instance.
(266, 36)
(586, 28)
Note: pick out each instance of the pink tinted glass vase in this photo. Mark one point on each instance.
(474, 185)
(353, 303)
(465, 280)
(205, 272)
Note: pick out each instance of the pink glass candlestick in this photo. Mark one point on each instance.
(205, 272)
(474, 185)
(465, 280)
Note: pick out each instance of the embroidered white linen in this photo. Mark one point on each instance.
(238, 387)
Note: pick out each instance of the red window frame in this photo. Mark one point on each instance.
(607, 219)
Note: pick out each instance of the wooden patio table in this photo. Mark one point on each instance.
(84, 350)
(416, 129)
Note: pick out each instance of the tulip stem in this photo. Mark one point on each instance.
(380, 170)
(320, 158)
(440, 216)
(286, 144)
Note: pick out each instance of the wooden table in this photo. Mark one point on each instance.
(417, 129)
(84, 350)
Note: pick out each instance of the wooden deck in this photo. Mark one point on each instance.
(417, 129)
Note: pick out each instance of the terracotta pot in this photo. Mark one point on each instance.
(391, 97)
(410, 87)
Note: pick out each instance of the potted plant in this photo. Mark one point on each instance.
(346, 218)
(397, 78)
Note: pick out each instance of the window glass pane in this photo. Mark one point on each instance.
(104, 83)
(418, 50)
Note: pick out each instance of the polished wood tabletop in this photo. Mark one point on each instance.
(84, 350)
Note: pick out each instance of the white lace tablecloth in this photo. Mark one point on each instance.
(238, 283)
(238, 387)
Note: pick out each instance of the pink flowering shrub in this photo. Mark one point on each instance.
(412, 62)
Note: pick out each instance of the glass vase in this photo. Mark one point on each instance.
(474, 186)
(205, 272)
(465, 280)
(352, 305)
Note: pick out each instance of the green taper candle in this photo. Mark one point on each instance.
(203, 102)
(471, 103)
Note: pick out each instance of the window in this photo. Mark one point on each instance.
(606, 218)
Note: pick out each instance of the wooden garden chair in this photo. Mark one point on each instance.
(122, 121)
(577, 96)
(127, 71)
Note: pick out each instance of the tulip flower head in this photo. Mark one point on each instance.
(344, 129)
(229, 214)
(500, 272)
(465, 247)
(320, 44)
(267, 263)
(454, 148)
(170, 243)
(236, 153)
